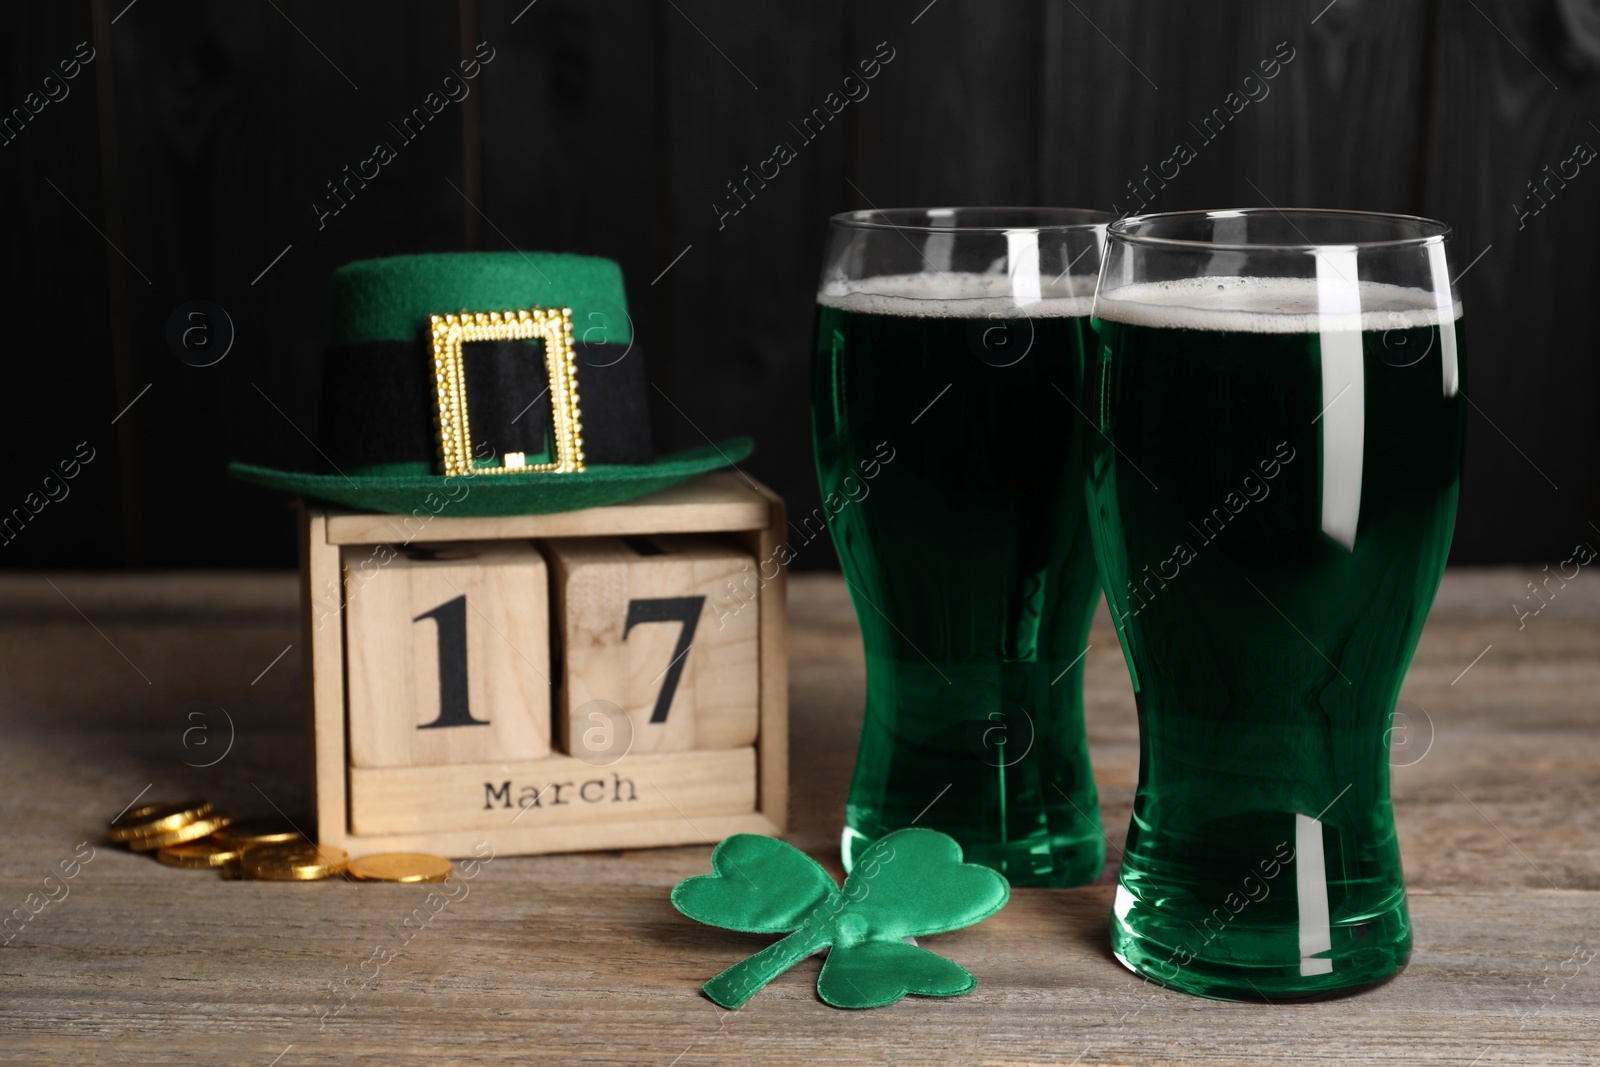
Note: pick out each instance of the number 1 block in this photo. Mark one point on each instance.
(654, 626)
(448, 653)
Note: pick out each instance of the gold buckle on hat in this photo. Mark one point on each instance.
(553, 326)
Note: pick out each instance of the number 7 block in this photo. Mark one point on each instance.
(664, 628)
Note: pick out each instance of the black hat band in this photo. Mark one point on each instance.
(379, 406)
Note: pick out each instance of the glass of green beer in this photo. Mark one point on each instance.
(948, 349)
(1279, 406)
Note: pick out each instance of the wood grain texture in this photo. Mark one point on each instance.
(707, 655)
(397, 645)
(1344, 123)
(720, 500)
(581, 959)
(232, 121)
(1117, 98)
(603, 836)
(575, 83)
(772, 757)
(323, 671)
(1515, 91)
(976, 147)
(614, 127)
(733, 82)
(555, 792)
(58, 145)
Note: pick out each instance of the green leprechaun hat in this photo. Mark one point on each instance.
(507, 383)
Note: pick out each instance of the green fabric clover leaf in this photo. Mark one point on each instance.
(908, 883)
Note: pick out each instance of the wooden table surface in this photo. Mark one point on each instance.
(581, 959)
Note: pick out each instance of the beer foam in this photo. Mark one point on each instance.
(958, 295)
(1266, 305)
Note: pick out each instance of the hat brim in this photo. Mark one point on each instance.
(501, 494)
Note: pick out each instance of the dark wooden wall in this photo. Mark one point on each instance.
(200, 135)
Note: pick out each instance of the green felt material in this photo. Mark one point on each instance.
(907, 884)
(405, 489)
(390, 299)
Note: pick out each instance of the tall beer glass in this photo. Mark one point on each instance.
(1279, 402)
(948, 343)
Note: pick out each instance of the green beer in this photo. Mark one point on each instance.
(944, 432)
(1273, 492)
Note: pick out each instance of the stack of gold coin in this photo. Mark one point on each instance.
(207, 854)
(154, 826)
(293, 861)
(245, 834)
(192, 835)
(248, 833)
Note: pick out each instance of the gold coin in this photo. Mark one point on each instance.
(400, 867)
(157, 818)
(208, 853)
(191, 831)
(296, 861)
(252, 832)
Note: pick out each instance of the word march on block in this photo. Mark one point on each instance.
(606, 678)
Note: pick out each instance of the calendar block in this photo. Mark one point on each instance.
(559, 794)
(439, 674)
(448, 651)
(653, 626)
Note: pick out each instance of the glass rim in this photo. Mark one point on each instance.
(899, 218)
(1436, 232)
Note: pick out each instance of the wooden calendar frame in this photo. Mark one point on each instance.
(722, 502)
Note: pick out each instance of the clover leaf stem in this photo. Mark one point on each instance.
(744, 979)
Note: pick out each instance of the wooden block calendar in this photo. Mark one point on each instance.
(599, 679)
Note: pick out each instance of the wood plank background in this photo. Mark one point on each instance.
(580, 958)
(202, 132)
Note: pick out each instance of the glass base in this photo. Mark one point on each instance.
(1253, 962)
(1055, 861)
